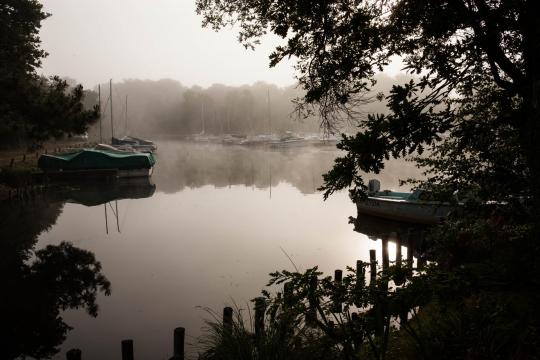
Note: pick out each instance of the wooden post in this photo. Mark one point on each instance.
(372, 267)
(410, 248)
(399, 279)
(73, 354)
(360, 279)
(228, 317)
(385, 259)
(178, 345)
(11, 162)
(311, 316)
(360, 275)
(127, 350)
(260, 308)
(355, 320)
(24, 157)
(398, 250)
(338, 278)
(287, 294)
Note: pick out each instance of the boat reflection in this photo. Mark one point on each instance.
(98, 193)
(408, 235)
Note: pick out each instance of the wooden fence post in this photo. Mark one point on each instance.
(337, 305)
(385, 259)
(287, 293)
(227, 317)
(311, 316)
(372, 268)
(127, 350)
(73, 354)
(260, 308)
(178, 344)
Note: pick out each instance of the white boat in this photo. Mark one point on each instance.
(131, 142)
(288, 140)
(399, 206)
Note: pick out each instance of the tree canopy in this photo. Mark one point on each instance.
(33, 107)
(470, 118)
(477, 64)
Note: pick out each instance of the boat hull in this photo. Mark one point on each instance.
(406, 211)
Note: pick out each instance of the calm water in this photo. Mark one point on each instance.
(217, 221)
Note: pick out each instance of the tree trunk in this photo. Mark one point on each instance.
(531, 129)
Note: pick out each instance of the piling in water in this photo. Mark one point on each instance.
(127, 350)
(178, 345)
(227, 317)
(74, 354)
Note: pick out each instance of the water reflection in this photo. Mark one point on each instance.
(209, 232)
(399, 233)
(192, 165)
(38, 285)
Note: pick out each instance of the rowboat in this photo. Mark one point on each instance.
(402, 206)
(130, 142)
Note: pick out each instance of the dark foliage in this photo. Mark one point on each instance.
(35, 292)
(33, 108)
(471, 119)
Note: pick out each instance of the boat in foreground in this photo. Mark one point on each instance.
(402, 206)
(88, 161)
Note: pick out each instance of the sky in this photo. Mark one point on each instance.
(93, 41)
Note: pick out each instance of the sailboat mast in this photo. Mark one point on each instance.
(99, 105)
(126, 117)
(269, 112)
(112, 123)
(202, 117)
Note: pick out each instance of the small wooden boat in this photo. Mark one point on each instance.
(130, 142)
(88, 161)
(402, 206)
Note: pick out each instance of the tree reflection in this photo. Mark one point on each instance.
(38, 285)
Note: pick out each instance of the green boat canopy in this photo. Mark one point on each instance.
(93, 159)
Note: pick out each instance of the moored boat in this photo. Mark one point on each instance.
(402, 206)
(134, 143)
(86, 161)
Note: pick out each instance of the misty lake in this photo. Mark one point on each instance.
(205, 232)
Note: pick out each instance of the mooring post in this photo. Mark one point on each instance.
(355, 320)
(360, 279)
(372, 268)
(73, 354)
(227, 317)
(287, 293)
(178, 343)
(385, 259)
(311, 316)
(337, 305)
(127, 350)
(410, 251)
(398, 250)
(360, 275)
(260, 308)
(399, 279)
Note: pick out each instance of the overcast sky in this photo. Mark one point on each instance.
(95, 40)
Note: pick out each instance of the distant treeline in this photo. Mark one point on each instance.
(167, 108)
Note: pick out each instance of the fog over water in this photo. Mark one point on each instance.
(206, 231)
